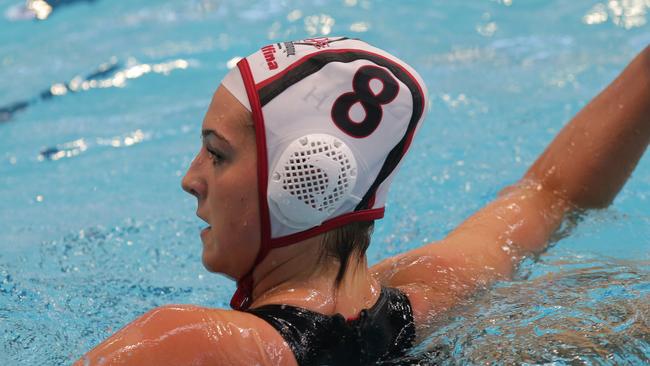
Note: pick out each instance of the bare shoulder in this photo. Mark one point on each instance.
(425, 278)
(189, 334)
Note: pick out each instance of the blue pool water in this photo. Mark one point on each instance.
(103, 102)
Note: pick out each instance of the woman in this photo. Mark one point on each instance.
(300, 143)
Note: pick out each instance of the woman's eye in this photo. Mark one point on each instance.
(216, 157)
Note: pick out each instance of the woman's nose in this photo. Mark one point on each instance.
(192, 182)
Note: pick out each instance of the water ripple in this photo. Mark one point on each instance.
(591, 315)
(69, 294)
(107, 75)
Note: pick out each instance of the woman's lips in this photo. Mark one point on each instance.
(204, 232)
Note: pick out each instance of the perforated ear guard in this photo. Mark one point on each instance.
(312, 178)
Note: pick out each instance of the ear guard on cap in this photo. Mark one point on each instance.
(313, 177)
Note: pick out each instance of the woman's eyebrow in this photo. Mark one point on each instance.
(206, 133)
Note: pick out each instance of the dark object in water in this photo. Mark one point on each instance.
(8, 111)
(104, 70)
(57, 3)
(49, 152)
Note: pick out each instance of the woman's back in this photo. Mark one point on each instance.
(383, 332)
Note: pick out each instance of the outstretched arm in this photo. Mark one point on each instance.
(584, 167)
(592, 157)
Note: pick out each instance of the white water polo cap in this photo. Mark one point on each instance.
(333, 118)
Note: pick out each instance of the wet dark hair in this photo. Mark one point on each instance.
(345, 243)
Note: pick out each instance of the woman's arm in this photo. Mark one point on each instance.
(592, 157)
(584, 167)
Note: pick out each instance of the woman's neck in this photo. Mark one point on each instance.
(295, 276)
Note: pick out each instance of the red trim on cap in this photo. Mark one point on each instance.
(302, 60)
(371, 202)
(305, 58)
(243, 296)
(365, 215)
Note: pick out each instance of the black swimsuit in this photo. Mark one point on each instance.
(383, 332)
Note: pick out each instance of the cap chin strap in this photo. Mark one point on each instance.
(243, 297)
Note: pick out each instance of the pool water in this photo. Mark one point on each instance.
(100, 110)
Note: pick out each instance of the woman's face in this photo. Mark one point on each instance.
(223, 177)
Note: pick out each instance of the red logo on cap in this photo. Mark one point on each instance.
(269, 56)
(318, 42)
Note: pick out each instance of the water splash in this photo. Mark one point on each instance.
(596, 313)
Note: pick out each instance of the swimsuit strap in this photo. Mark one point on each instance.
(384, 331)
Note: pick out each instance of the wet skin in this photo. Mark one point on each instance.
(584, 167)
(223, 178)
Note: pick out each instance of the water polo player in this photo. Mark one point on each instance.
(300, 144)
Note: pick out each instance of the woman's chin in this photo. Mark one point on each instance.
(208, 261)
(209, 256)
(211, 264)
(217, 259)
